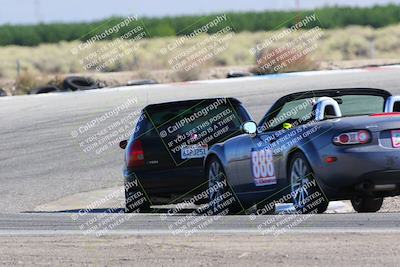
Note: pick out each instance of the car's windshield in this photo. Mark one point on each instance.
(300, 111)
(297, 110)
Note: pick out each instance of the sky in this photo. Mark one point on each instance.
(35, 11)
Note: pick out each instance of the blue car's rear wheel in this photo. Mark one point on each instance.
(367, 204)
(307, 197)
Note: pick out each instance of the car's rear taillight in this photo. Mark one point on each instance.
(352, 138)
(136, 154)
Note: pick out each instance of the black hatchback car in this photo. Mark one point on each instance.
(164, 156)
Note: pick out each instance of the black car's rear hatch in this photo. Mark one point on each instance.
(178, 134)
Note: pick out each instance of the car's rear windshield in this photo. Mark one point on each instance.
(353, 105)
(350, 105)
(183, 117)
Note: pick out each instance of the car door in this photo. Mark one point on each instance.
(256, 165)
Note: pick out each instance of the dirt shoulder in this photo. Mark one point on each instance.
(204, 250)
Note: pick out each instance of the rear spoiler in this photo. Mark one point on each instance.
(387, 114)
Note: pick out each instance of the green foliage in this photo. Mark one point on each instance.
(329, 17)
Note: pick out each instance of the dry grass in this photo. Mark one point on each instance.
(25, 82)
(279, 57)
(56, 60)
(28, 80)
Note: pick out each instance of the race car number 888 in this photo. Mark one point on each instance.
(263, 167)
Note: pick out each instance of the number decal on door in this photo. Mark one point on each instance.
(262, 162)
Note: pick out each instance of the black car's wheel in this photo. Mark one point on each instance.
(221, 198)
(135, 199)
(307, 197)
(367, 204)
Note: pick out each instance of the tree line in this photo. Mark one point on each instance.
(329, 17)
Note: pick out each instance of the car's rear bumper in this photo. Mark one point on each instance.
(369, 169)
(169, 182)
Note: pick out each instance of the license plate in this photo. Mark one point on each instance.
(396, 138)
(194, 151)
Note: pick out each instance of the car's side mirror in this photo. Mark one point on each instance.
(249, 127)
(123, 144)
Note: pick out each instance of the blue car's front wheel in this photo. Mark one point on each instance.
(222, 199)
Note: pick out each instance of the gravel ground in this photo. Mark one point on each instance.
(391, 204)
(203, 250)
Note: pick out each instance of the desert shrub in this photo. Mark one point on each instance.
(145, 75)
(25, 82)
(335, 45)
(29, 80)
(56, 81)
(277, 60)
(189, 75)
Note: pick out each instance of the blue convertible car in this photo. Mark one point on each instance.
(312, 147)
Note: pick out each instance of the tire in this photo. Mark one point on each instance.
(222, 199)
(367, 204)
(238, 74)
(2, 92)
(75, 83)
(44, 90)
(135, 200)
(307, 197)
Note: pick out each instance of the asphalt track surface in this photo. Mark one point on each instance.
(41, 154)
(148, 224)
(42, 160)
